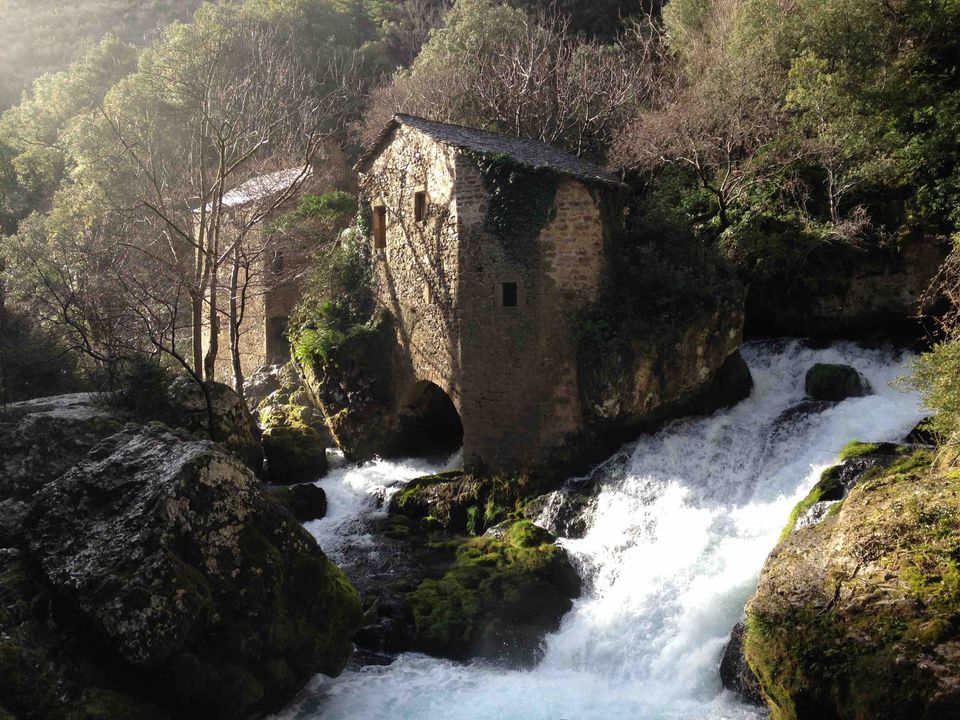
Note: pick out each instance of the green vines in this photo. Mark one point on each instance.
(522, 203)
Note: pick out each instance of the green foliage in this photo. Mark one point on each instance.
(936, 374)
(141, 387)
(42, 36)
(333, 206)
(337, 308)
(35, 361)
(677, 283)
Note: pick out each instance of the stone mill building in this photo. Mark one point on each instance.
(487, 251)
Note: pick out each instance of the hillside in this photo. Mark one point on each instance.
(40, 36)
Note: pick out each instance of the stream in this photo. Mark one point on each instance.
(683, 521)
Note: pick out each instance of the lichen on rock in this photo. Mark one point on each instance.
(856, 616)
(171, 558)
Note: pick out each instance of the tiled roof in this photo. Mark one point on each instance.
(530, 153)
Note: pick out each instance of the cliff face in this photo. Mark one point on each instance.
(846, 292)
(856, 612)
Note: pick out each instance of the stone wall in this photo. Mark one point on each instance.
(520, 362)
(510, 371)
(272, 293)
(416, 275)
(514, 370)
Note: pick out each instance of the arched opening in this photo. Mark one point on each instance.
(428, 423)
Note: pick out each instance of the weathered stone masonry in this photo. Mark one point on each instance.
(508, 368)
(488, 252)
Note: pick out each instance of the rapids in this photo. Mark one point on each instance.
(683, 521)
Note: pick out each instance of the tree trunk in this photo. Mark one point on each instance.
(235, 323)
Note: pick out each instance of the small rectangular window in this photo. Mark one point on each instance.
(419, 206)
(379, 227)
(509, 294)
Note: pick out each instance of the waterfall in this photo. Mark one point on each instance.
(682, 522)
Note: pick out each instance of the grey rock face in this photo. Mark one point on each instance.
(168, 553)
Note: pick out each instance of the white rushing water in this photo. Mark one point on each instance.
(684, 521)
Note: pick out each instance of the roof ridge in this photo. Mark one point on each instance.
(531, 153)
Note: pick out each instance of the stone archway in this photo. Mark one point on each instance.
(428, 423)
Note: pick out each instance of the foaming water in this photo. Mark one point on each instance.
(683, 522)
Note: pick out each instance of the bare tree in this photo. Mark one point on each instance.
(540, 81)
(200, 119)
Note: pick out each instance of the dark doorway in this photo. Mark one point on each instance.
(278, 347)
(429, 424)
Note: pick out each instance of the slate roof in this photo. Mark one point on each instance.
(262, 186)
(530, 153)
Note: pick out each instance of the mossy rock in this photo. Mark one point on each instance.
(498, 599)
(826, 381)
(294, 455)
(305, 502)
(859, 616)
(465, 503)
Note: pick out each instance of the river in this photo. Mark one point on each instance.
(683, 522)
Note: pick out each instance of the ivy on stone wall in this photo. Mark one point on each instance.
(522, 202)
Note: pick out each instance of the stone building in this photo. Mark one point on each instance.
(270, 274)
(488, 253)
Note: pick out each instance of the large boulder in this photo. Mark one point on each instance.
(501, 595)
(202, 592)
(294, 455)
(233, 425)
(855, 615)
(41, 439)
(458, 573)
(830, 382)
(306, 502)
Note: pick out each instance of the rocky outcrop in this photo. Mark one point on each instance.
(700, 372)
(460, 573)
(735, 673)
(294, 455)
(353, 387)
(306, 502)
(233, 426)
(43, 438)
(502, 593)
(162, 579)
(832, 383)
(833, 290)
(855, 614)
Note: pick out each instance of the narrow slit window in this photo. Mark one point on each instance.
(379, 227)
(420, 206)
(509, 294)
(276, 262)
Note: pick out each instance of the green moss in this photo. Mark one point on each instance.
(867, 653)
(827, 486)
(856, 449)
(892, 461)
(294, 454)
(462, 502)
(492, 580)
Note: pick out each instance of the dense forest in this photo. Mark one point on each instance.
(782, 138)
(42, 37)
